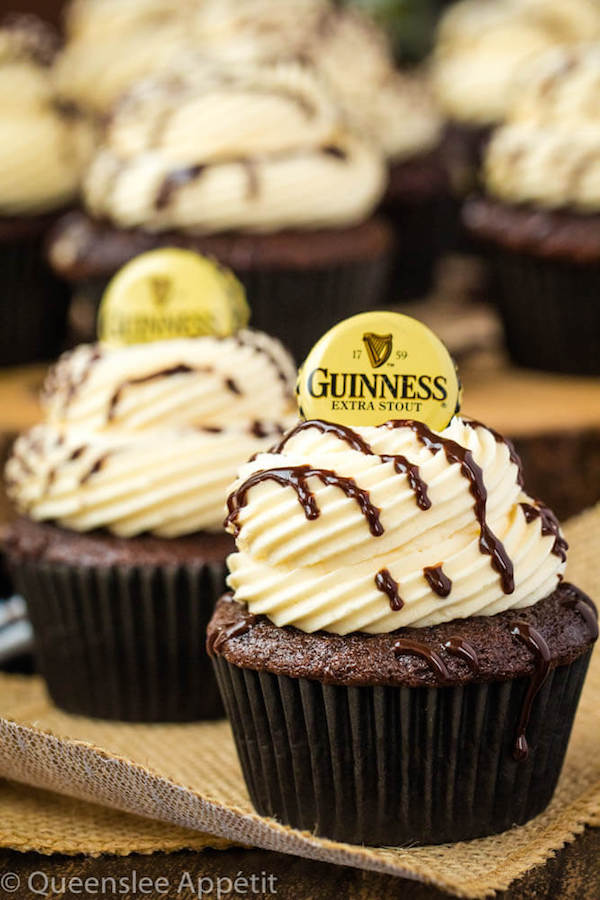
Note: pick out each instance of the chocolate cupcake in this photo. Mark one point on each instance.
(286, 203)
(40, 163)
(400, 658)
(540, 218)
(120, 551)
(480, 50)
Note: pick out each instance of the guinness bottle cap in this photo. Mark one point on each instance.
(171, 293)
(378, 366)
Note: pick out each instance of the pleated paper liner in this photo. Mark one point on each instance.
(125, 642)
(33, 304)
(550, 310)
(392, 766)
(419, 204)
(188, 775)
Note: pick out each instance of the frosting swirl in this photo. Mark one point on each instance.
(549, 166)
(373, 529)
(202, 149)
(548, 151)
(42, 149)
(147, 438)
(481, 47)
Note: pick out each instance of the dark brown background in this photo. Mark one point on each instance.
(49, 9)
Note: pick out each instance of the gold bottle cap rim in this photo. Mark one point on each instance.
(378, 366)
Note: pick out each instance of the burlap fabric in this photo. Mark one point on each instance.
(188, 775)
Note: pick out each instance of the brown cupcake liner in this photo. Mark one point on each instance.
(422, 236)
(125, 642)
(419, 205)
(33, 304)
(298, 306)
(550, 310)
(398, 765)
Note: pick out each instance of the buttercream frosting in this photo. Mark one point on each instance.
(482, 47)
(43, 149)
(147, 438)
(260, 148)
(387, 527)
(548, 166)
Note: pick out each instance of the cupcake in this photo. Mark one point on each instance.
(539, 215)
(254, 167)
(119, 549)
(397, 110)
(40, 160)
(480, 50)
(400, 658)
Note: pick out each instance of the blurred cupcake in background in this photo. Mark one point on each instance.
(540, 215)
(255, 166)
(120, 549)
(112, 44)
(41, 155)
(396, 109)
(480, 49)
(109, 44)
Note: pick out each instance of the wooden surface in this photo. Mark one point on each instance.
(574, 874)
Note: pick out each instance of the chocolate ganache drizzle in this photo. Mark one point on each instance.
(416, 648)
(356, 442)
(538, 646)
(437, 580)
(488, 542)
(457, 646)
(297, 477)
(585, 607)
(387, 585)
(550, 525)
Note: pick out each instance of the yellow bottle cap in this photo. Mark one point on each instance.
(171, 293)
(378, 366)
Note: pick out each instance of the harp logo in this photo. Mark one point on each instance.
(379, 347)
(161, 289)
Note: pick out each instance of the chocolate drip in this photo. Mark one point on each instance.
(405, 645)
(538, 646)
(356, 442)
(95, 468)
(500, 439)
(54, 382)
(262, 430)
(387, 585)
(342, 432)
(412, 472)
(180, 369)
(488, 542)
(229, 630)
(585, 607)
(457, 646)
(297, 477)
(232, 386)
(252, 180)
(550, 525)
(173, 181)
(245, 340)
(437, 580)
(336, 152)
